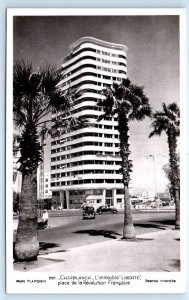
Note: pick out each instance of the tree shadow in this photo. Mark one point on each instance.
(53, 260)
(162, 225)
(175, 263)
(105, 233)
(148, 225)
(166, 222)
(136, 240)
(45, 246)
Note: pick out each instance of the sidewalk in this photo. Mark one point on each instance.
(155, 252)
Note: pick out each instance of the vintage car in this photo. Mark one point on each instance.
(88, 212)
(106, 209)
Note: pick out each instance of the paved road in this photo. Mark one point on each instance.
(70, 233)
(73, 231)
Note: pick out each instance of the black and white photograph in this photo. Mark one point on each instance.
(95, 198)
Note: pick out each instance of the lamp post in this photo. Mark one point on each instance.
(156, 198)
(152, 156)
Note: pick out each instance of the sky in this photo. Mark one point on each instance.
(152, 61)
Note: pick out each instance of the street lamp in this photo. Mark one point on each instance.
(156, 198)
(153, 158)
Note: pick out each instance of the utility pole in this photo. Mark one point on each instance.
(156, 198)
(153, 158)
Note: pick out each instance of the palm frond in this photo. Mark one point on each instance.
(101, 117)
(126, 106)
(121, 92)
(35, 95)
(166, 120)
(67, 123)
(25, 80)
(171, 111)
(51, 76)
(126, 82)
(157, 130)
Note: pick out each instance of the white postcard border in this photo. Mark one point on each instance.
(51, 287)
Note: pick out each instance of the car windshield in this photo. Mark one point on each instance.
(89, 208)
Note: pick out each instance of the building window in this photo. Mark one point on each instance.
(55, 193)
(108, 135)
(109, 180)
(87, 181)
(109, 171)
(109, 162)
(118, 181)
(107, 127)
(99, 180)
(108, 193)
(121, 56)
(108, 144)
(98, 192)
(119, 200)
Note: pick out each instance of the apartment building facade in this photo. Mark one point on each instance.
(85, 163)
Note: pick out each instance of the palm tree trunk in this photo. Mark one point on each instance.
(27, 245)
(126, 168)
(128, 228)
(177, 209)
(175, 178)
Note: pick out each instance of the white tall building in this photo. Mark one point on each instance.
(43, 190)
(47, 185)
(85, 163)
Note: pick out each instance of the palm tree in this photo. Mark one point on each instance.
(35, 97)
(168, 174)
(168, 121)
(129, 103)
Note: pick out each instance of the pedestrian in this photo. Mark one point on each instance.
(44, 220)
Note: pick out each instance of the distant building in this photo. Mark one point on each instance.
(148, 195)
(85, 163)
(47, 186)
